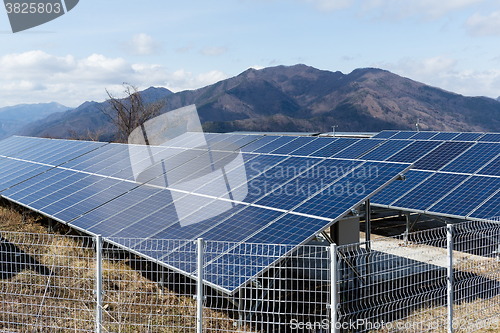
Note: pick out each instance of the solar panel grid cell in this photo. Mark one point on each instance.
(281, 141)
(467, 196)
(467, 136)
(359, 148)
(404, 135)
(490, 137)
(424, 135)
(414, 151)
(293, 145)
(334, 147)
(313, 146)
(362, 182)
(441, 155)
(389, 148)
(473, 158)
(445, 136)
(430, 191)
(385, 135)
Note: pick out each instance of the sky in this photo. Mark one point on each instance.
(450, 44)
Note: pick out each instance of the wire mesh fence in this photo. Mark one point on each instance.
(403, 283)
(56, 283)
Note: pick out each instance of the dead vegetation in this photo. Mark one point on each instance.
(48, 279)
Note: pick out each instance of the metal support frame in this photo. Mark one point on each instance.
(368, 225)
(450, 277)
(98, 288)
(199, 288)
(333, 288)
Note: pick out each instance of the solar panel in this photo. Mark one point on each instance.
(466, 197)
(349, 191)
(414, 151)
(445, 136)
(262, 141)
(293, 145)
(385, 135)
(281, 141)
(488, 210)
(404, 135)
(490, 137)
(424, 135)
(473, 158)
(492, 168)
(442, 155)
(467, 137)
(312, 146)
(430, 191)
(359, 148)
(389, 148)
(314, 180)
(398, 188)
(334, 147)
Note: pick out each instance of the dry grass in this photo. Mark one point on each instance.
(48, 280)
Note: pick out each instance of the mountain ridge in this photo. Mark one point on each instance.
(303, 98)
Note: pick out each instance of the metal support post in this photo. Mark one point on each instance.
(368, 225)
(98, 287)
(333, 288)
(407, 230)
(450, 277)
(199, 289)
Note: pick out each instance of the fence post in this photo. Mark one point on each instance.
(450, 276)
(199, 289)
(333, 287)
(98, 285)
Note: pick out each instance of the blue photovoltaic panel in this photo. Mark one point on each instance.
(341, 196)
(359, 148)
(414, 151)
(289, 229)
(291, 146)
(389, 148)
(442, 155)
(467, 196)
(262, 141)
(304, 186)
(424, 135)
(467, 137)
(385, 135)
(430, 191)
(404, 135)
(281, 141)
(490, 137)
(17, 144)
(334, 147)
(492, 168)
(313, 146)
(488, 210)
(445, 136)
(399, 187)
(278, 175)
(474, 158)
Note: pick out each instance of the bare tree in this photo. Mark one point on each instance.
(130, 111)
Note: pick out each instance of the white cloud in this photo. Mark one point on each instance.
(36, 77)
(213, 50)
(257, 67)
(330, 5)
(396, 9)
(479, 25)
(443, 72)
(141, 44)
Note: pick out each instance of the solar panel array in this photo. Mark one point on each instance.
(238, 188)
(454, 174)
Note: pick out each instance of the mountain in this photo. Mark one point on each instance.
(303, 98)
(87, 118)
(498, 98)
(12, 118)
